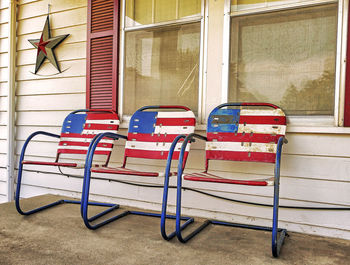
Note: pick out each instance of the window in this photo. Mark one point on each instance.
(284, 56)
(162, 53)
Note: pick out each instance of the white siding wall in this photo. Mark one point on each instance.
(43, 100)
(4, 24)
(315, 166)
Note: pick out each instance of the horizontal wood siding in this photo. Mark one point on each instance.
(45, 99)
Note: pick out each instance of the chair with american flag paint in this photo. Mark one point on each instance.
(249, 132)
(152, 130)
(78, 130)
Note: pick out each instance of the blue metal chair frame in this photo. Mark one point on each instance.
(19, 181)
(277, 242)
(86, 189)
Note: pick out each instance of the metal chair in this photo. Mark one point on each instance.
(251, 132)
(78, 130)
(151, 131)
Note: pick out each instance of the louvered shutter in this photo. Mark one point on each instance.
(102, 54)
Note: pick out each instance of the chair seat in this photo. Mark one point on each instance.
(126, 171)
(208, 177)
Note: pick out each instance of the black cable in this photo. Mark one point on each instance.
(209, 194)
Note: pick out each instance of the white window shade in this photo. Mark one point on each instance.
(286, 58)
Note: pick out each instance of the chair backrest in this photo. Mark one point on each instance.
(81, 126)
(244, 132)
(151, 132)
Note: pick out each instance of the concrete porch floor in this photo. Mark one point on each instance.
(58, 236)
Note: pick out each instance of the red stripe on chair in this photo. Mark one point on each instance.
(77, 135)
(99, 116)
(145, 137)
(273, 120)
(176, 121)
(27, 162)
(241, 156)
(239, 137)
(227, 181)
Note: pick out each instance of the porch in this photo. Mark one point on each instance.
(58, 236)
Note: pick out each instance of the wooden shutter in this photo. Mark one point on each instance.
(347, 82)
(102, 54)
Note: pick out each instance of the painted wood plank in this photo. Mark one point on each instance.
(58, 20)
(4, 15)
(41, 118)
(4, 4)
(3, 45)
(3, 198)
(3, 58)
(25, 131)
(43, 149)
(3, 106)
(50, 102)
(3, 188)
(3, 146)
(4, 74)
(318, 144)
(299, 166)
(4, 31)
(3, 117)
(3, 133)
(64, 52)
(61, 86)
(3, 171)
(3, 89)
(77, 34)
(3, 160)
(39, 8)
(74, 68)
(22, 2)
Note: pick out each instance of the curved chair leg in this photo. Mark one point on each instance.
(21, 211)
(277, 243)
(18, 192)
(164, 216)
(178, 217)
(85, 204)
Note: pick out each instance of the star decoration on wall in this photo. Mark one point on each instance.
(46, 45)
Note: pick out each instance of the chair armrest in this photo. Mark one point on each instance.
(30, 137)
(189, 138)
(94, 143)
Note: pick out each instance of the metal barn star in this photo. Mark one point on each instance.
(46, 46)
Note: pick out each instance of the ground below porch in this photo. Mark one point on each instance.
(58, 236)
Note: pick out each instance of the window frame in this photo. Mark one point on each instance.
(298, 121)
(202, 55)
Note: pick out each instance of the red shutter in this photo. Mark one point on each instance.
(347, 82)
(102, 54)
